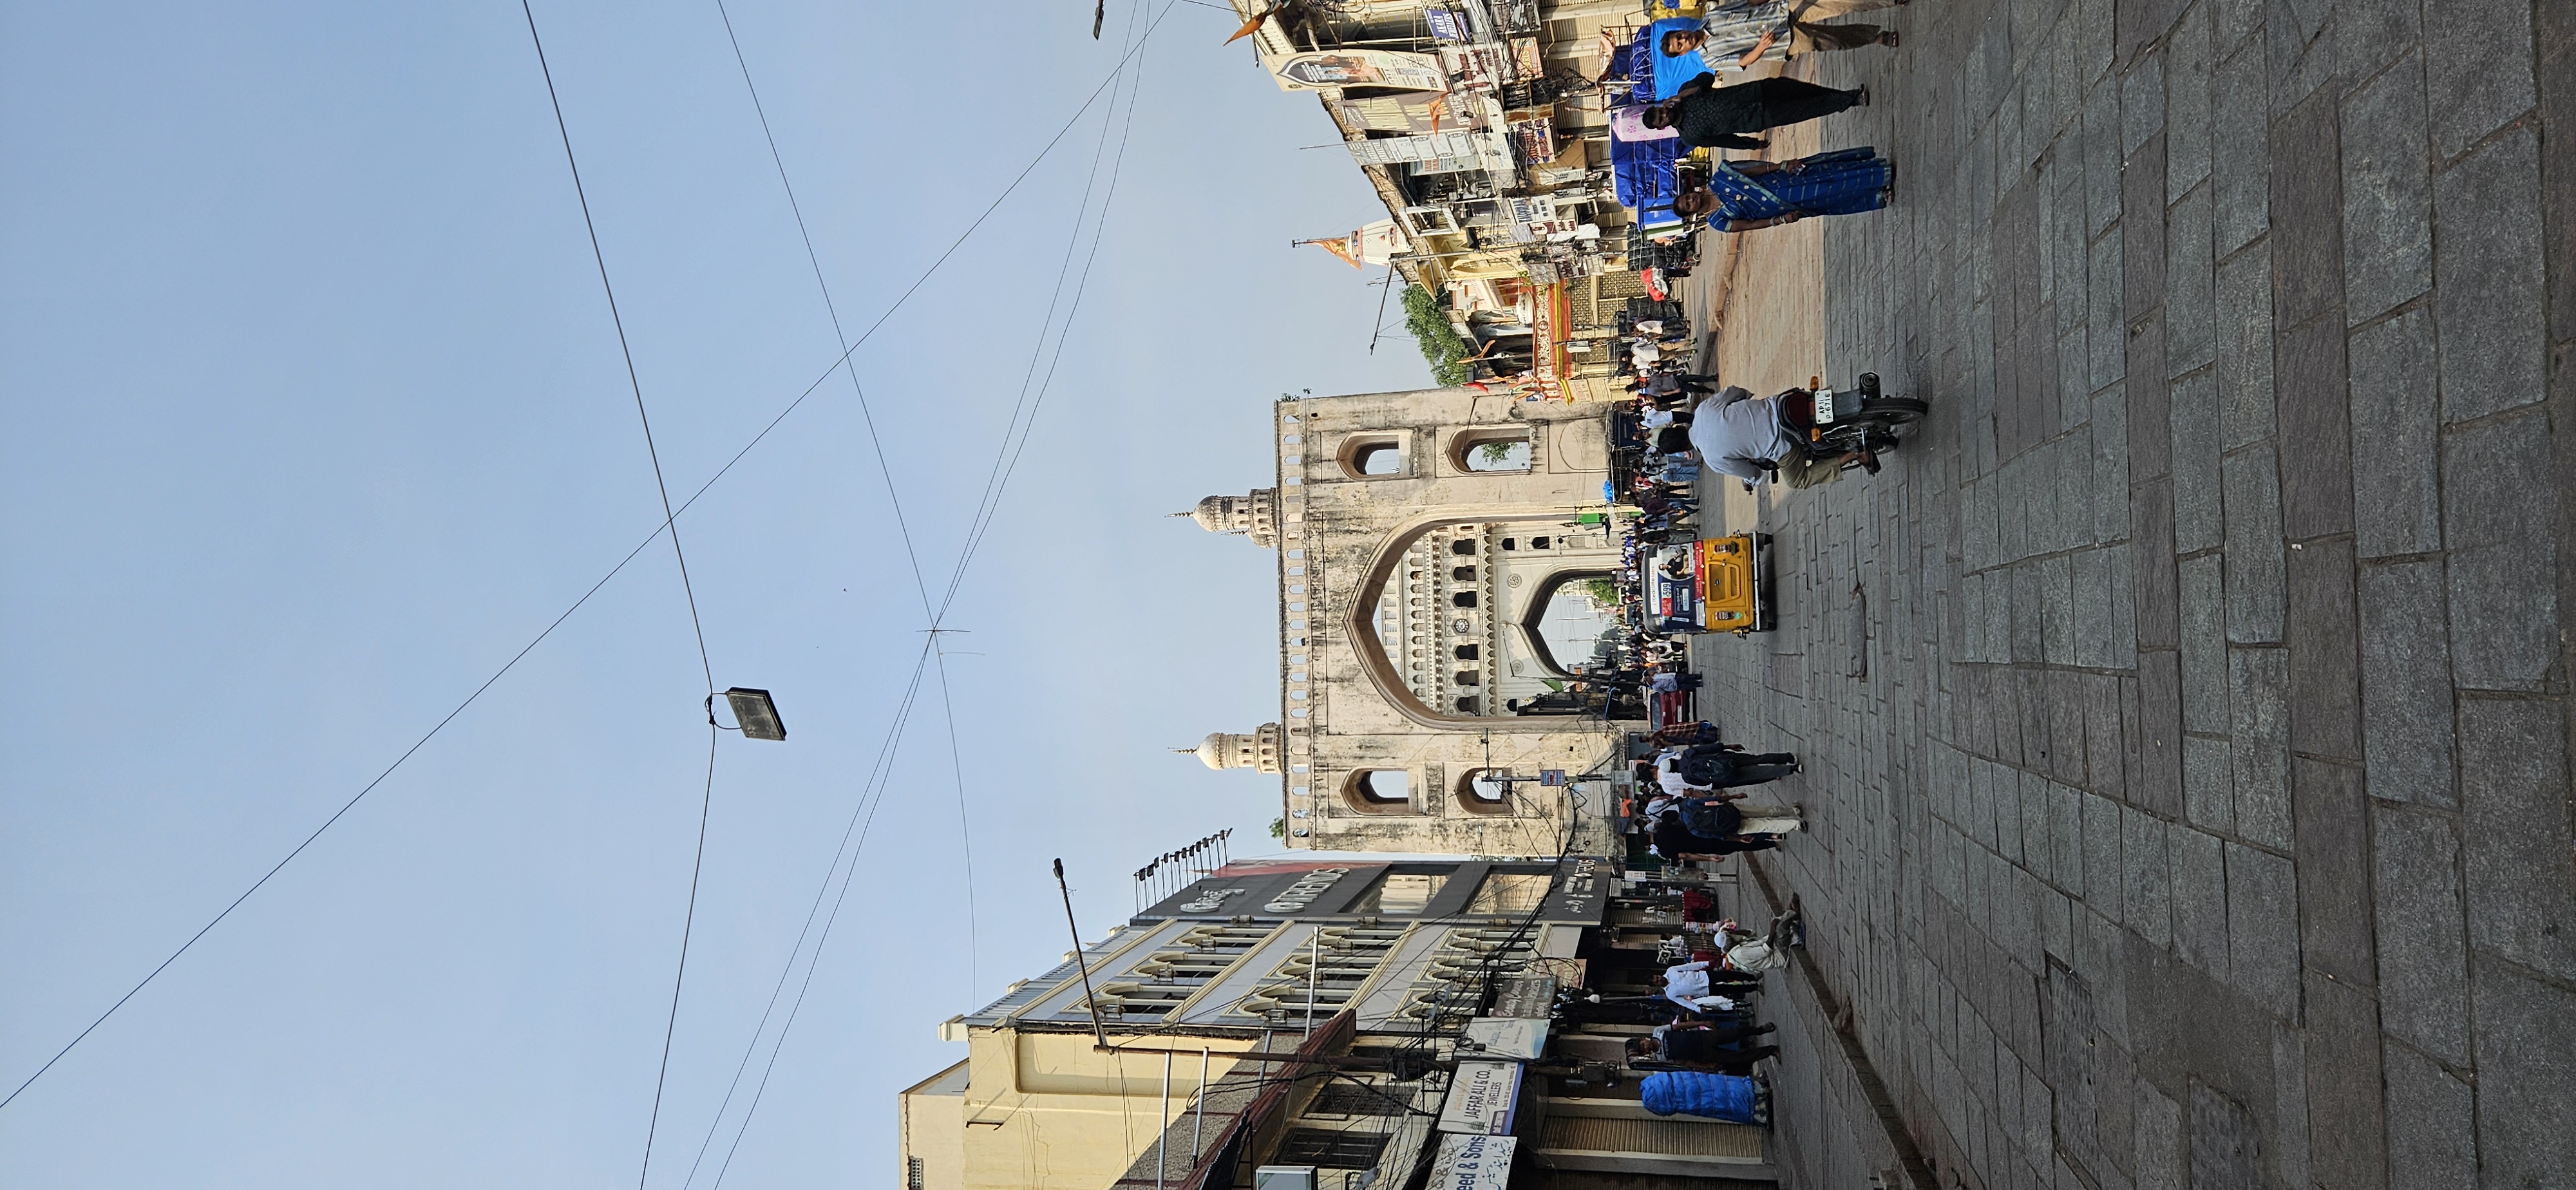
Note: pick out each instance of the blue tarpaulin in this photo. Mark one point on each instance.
(1641, 172)
(1694, 1093)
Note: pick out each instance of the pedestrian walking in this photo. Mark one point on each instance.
(1725, 818)
(1696, 987)
(1676, 842)
(1750, 195)
(1738, 35)
(1725, 117)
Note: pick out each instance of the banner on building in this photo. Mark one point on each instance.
(1409, 113)
(1457, 145)
(1482, 1098)
(1331, 69)
(1477, 67)
(1473, 1163)
(1533, 141)
(1549, 366)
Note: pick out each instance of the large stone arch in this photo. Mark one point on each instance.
(1370, 654)
(1535, 609)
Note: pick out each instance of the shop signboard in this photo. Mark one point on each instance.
(1521, 1039)
(1584, 893)
(1309, 889)
(1269, 889)
(1446, 25)
(1473, 1163)
(1527, 997)
(1483, 1097)
(1335, 69)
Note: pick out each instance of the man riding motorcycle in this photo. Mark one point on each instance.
(1750, 439)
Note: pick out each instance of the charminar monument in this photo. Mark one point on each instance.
(1432, 550)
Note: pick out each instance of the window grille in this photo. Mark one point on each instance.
(1331, 1149)
(913, 1178)
(1353, 1099)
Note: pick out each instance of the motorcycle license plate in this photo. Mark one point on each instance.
(1825, 406)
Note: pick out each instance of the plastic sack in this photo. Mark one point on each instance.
(1697, 1093)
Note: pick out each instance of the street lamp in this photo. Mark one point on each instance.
(756, 713)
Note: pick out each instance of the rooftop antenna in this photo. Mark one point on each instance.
(1081, 962)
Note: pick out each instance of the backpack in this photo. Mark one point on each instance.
(1706, 765)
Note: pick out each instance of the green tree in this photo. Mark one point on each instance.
(1441, 346)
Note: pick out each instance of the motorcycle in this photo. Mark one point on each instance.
(1861, 418)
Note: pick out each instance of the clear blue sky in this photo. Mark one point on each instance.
(314, 415)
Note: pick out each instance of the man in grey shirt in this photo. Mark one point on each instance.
(1743, 437)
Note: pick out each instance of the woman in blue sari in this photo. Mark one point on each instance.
(1748, 195)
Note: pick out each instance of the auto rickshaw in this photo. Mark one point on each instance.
(1712, 585)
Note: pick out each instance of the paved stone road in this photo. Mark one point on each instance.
(2202, 815)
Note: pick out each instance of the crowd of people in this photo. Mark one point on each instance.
(1683, 102)
(1705, 1052)
(1691, 809)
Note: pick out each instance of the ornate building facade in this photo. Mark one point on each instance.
(1428, 544)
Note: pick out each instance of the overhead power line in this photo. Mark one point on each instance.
(1006, 457)
(876, 444)
(671, 525)
(476, 695)
(862, 816)
(867, 416)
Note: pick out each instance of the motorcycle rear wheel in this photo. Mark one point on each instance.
(1891, 411)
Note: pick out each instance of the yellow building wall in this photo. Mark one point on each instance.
(932, 1129)
(1045, 1111)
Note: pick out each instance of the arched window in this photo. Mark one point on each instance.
(1468, 652)
(1479, 793)
(1470, 705)
(1463, 573)
(1468, 677)
(1463, 599)
(1379, 791)
(1372, 456)
(1463, 546)
(1482, 451)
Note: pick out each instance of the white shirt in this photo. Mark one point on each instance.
(1628, 123)
(1687, 985)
